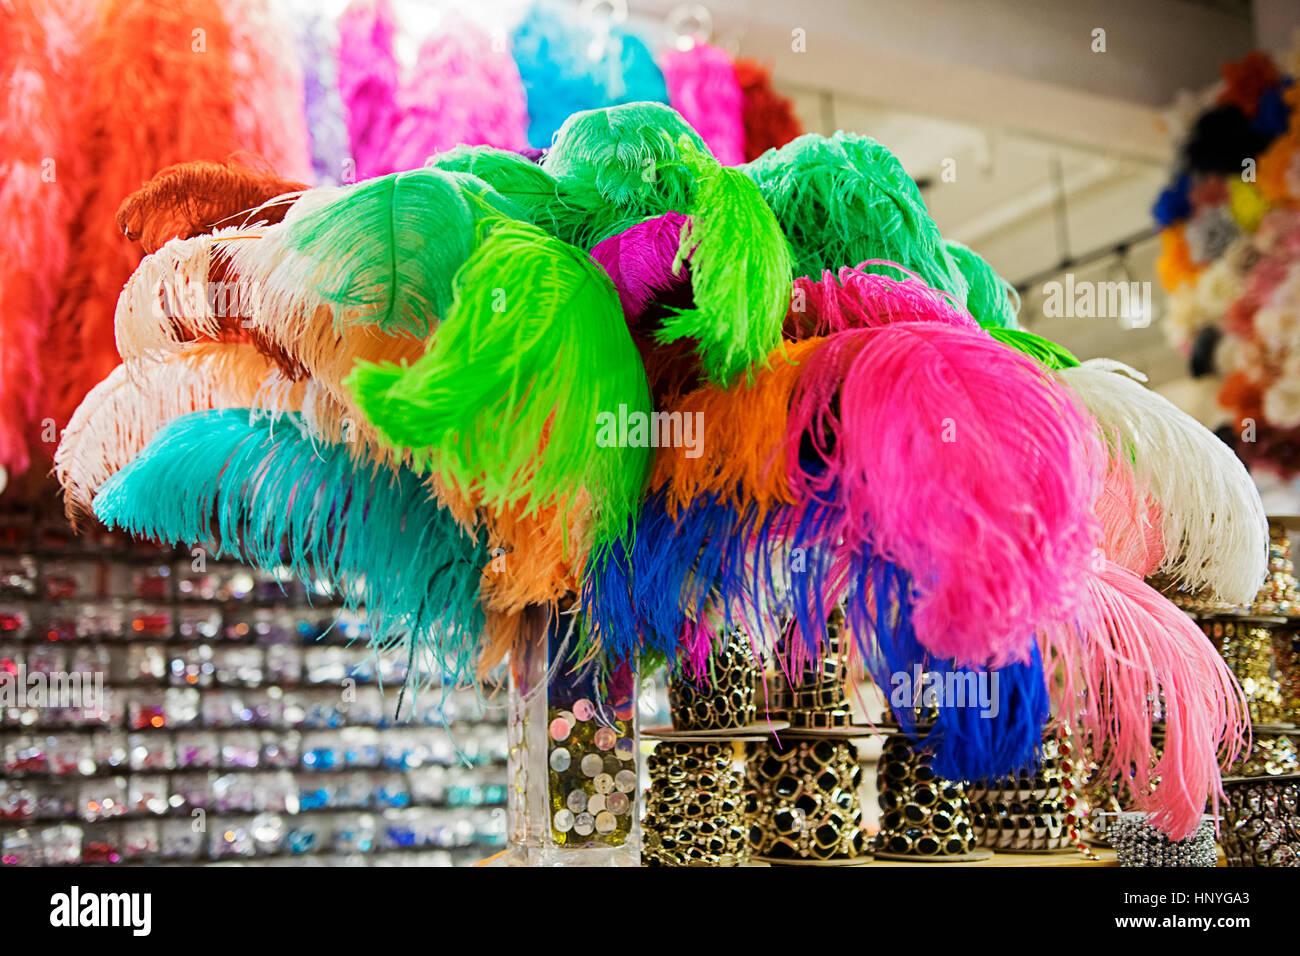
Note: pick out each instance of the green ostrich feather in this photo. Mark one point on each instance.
(992, 299)
(508, 401)
(740, 272)
(618, 166)
(1047, 352)
(386, 250)
(846, 199)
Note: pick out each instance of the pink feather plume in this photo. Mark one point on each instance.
(702, 86)
(463, 92)
(368, 80)
(1130, 522)
(35, 206)
(270, 108)
(1135, 657)
(856, 299)
(641, 261)
(964, 463)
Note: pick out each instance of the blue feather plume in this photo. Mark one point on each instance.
(269, 495)
(566, 67)
(969, 742)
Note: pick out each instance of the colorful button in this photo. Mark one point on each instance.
(584, 709)
(560, 760)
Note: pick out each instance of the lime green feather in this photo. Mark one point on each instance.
(992, 299)
(385, 252)
(507, 402)
(1047, 352)
(740, 272)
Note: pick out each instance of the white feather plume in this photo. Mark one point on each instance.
(1214, 529)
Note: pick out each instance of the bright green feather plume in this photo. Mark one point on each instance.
(845, 199)
(270, 496)
(740, 272)
(618, 166)
(507, 404)
(992, 299)
(1047, 352)
(385, 251)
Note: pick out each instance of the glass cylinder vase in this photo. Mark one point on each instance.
(573, 766)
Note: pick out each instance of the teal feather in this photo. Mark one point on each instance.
(268, 495)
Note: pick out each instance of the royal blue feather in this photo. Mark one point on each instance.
(969, 743)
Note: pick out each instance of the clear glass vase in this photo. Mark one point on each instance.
(574, 758)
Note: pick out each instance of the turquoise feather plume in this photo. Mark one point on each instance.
(266, 494)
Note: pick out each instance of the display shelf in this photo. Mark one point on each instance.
(225, 658)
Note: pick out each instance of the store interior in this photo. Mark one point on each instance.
(986, 317)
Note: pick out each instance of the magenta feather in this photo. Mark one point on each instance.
(1134, 658)
(368, 80)
(642, 262)
(462, 92)
(856, 299)
(965, 464)
(702, 86)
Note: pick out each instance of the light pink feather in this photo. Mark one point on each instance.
(1134, 658)
(270, 110)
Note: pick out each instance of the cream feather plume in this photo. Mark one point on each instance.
(118, 416)
(1215, 532)
(229, 285)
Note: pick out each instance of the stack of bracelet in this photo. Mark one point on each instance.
(803, 791)
(1138, 843)
(695, 807)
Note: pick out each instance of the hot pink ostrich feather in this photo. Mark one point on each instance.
(964, 463)
(856, 299)
(34, 205)
(702, 86)
(270, 106)
(1135, 657)
(368, 81)
(642, 262)
(463, 91)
